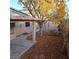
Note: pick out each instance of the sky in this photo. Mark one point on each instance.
(14, 4)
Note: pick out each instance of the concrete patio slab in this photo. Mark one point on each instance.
(18, 46)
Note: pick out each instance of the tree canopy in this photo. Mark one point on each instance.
(52, 10)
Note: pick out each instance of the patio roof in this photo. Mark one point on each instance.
(16, 15)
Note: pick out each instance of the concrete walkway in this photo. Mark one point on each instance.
(18, 46)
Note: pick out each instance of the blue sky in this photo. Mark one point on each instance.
(14, 4)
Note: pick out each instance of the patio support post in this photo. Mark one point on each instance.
(34, 32)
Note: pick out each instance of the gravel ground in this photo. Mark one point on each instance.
(47, 47)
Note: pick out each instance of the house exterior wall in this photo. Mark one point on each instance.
(21, 28)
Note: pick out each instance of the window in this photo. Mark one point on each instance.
(27, 24)
(12, 25)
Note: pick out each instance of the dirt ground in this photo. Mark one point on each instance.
(49, 46)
